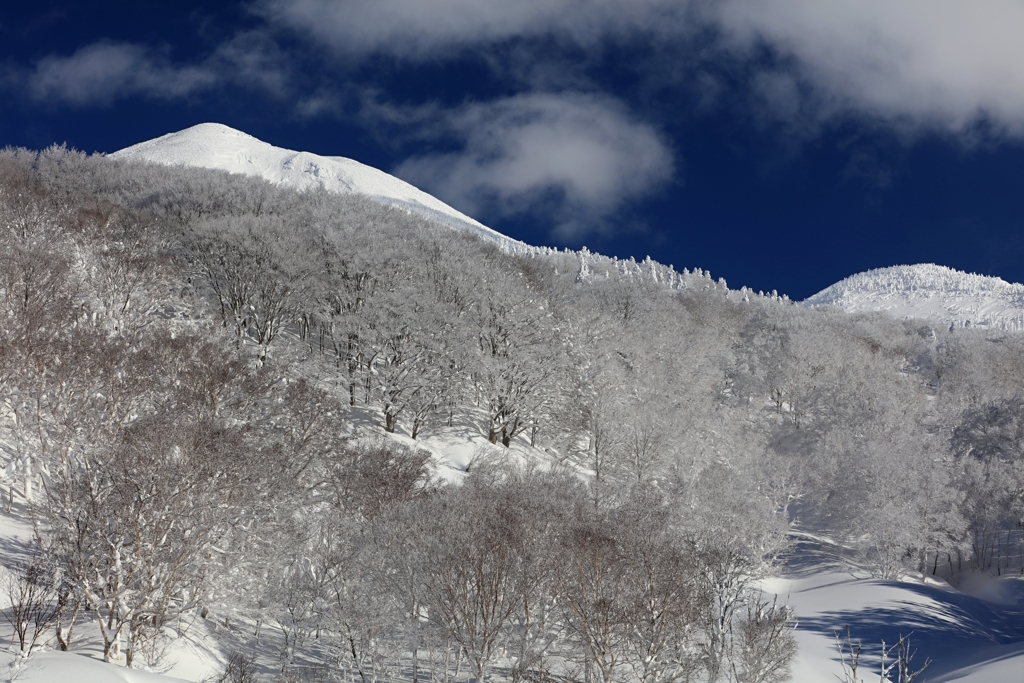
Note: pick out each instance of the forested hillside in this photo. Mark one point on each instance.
(212, 389)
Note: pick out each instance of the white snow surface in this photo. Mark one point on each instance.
(967, 638)
(219, 147)
(927, 291)
(65, 667)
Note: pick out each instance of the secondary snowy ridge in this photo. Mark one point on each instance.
(931, 292)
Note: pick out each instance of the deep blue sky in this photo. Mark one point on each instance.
(781, 144)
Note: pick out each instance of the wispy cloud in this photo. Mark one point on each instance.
(102, 72)
(935, 64)
(576, 158)
(914, 64)
(414, 28)
(254, 59)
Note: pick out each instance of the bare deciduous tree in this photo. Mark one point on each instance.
(32, 596)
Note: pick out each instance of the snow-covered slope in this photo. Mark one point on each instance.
(973, 633)
(215, 146)
(937, 293)
(969, 638)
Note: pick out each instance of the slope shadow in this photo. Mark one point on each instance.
(948, 627)
(16, 544)
(14, 552)
(807, 555)
(984, 661)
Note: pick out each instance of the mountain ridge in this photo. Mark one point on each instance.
(922, 291)
(932, 292)
(219, 147)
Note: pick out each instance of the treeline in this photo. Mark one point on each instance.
(182, 352)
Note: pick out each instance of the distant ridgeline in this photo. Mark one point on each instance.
(951, 297)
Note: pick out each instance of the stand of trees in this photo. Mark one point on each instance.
(183, 354)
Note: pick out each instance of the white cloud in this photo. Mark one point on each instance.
(579, 157)
(779, 91)
(419, 28)
(944, 64)
(936, 64)
(253, 58)
(102, 72)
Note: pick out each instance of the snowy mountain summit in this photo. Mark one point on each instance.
(932, 292)
(215, 146)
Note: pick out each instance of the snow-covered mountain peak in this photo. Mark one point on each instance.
(931, 292)
(216, 146)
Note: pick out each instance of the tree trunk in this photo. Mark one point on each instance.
(355, 657)
(64, 637)
(28, 478)
(353, 365)
(108, 645)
